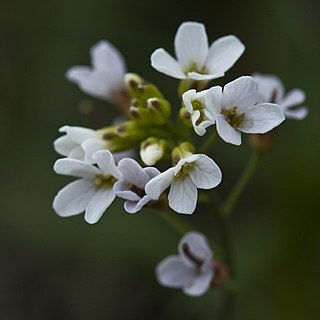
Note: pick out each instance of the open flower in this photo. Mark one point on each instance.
(92, 192)
(195, 103)
(271, 89)
(192, 270)
(192, 172)
(79, 143)
(235, 110)
(104, 79)
(131, 186)
(195, 60)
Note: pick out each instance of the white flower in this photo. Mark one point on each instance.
(271, 89)
(92, 192)
(192, 172)
(79, 143)
(131, 186)
(195, 103)
(235, 110)
(195, 60)
(105, 79)
(192, 270)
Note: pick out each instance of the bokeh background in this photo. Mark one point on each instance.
(55, 268)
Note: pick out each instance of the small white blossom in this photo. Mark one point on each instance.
(92, 192)
(192, 270)
(271, 89)
(192, 172)
(105, 79)
(195, 60)
(79, 143)
(131, 186)
(195, 103)
(235, 110)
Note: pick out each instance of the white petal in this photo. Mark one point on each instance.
(105, 162)
(296, 113)
(133, 173)
(78, 74)
(223, 53)
(202, 77)
(213, 100)
(188, 159)
(172, 272)
(121, 189)
(191, 44)
(77, 153)
(75, 168)
(74, 198)
(261, 118)
(98, 204)
(227, 132)
(151, 154)
(199, 284)
(163, 62)
(135, 206)
(158, 184)
(197, 245)
(293, 98)
(183, 195)
(90, 146)
(63, 145)
(240, 93)
(187, 98)
(78, 134)
(151, 172)
(270, 88)
(205, 174)
(108, 58)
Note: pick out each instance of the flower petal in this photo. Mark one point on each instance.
(74, 198)
(188, 159)
(191, 44)
(183, 195)
(240, 93)
(105, 162)
(197, 246)
(121, 189)
(227, 132)
(172, 272)
(213, 100)
(261, 118)
(296, 113)
(133, 173)
(202, 77)
(199, 284)
(64, 145)
(163, 62)
(75, 168)
(158, 184)
(78, 134)
(90, 146)
(293, 98)
(78, 74)
(188, 97)
(98, 204)
(135, 206)
(151, 172)
(205, 174)
(223, 54)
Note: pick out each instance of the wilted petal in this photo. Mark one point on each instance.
(223, 53)
(240, 93)
(226, 131)
(172, 272)
(183, 195)
(205, 174)
(191, 44)
(163, 62)
(158, 184)
(105, 162)
(74, 198)
(75, 168)
(261, 118)
(98, 204)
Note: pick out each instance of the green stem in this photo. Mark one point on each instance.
(208, 143)
(241, 184)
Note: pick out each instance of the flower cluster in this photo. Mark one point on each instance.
(107, 165)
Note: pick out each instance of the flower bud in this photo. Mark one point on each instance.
(159, 109)
(152, 150)
(185, 116)
(184, 150)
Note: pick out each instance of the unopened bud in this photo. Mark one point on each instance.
(159, 109)
(152, 150)
(184, 150)
(185, 116)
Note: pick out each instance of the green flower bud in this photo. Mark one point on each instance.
(185, 116)
(185, 149)
(159, 110)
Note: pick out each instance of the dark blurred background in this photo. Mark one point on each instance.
(55, 268)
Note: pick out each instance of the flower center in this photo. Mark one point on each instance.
(139, 192)
(194, 68)
(104, 180)
(232, 117)
(197, 105)
(185, 170)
